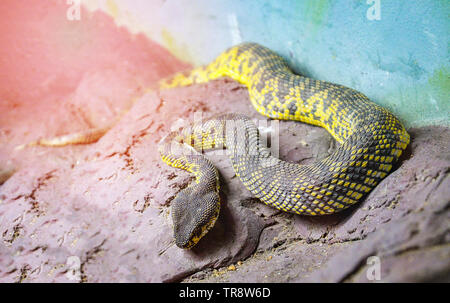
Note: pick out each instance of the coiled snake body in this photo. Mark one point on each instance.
(371, 141)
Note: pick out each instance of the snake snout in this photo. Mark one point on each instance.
(193, 215)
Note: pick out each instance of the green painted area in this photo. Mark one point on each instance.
(441, 80)
(423, 102)
(316, 12)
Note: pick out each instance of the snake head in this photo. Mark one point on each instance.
(193, 215)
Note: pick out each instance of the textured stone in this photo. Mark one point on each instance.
(108, 208)
(404, 222)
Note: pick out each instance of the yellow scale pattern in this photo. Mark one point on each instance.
(371, 138)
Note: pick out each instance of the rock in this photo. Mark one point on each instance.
(104, 214)
(403, 222)
(108, 209)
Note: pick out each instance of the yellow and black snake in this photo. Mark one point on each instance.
(371, 141)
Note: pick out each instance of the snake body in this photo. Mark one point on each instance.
(371, 141)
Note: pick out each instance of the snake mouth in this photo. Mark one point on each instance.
(193, 240)
(199, 231)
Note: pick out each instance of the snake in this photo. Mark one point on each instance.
(370, 141)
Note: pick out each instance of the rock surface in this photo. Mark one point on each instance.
(102, 214)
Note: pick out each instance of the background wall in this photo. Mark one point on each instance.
(396, 52)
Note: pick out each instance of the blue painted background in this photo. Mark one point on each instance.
(400, 61)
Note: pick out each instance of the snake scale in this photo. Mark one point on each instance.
(371, 141)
